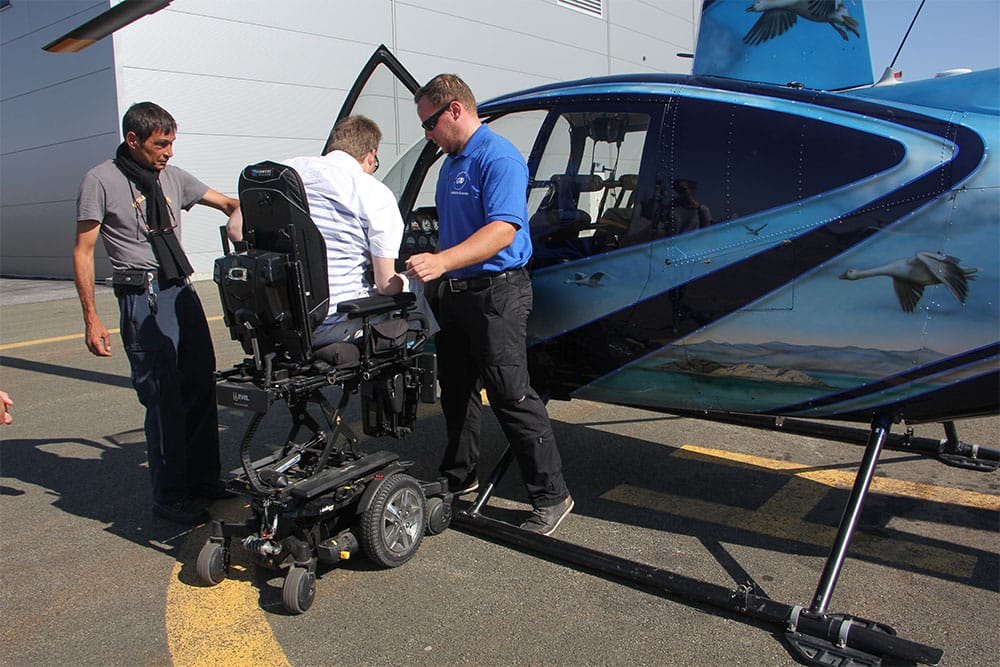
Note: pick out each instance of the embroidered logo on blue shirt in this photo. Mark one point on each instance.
(458, 185)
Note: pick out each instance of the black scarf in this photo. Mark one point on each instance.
(172, 261)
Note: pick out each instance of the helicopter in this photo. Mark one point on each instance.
(769, 239)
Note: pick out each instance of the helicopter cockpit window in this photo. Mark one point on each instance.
(582, 198)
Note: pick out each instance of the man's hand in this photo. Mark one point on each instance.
(485, 243)
(425, 266)
(98, 338)
(5, 404)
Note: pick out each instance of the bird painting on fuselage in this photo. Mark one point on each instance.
(910, 276)
(778, 16)
(818, 43)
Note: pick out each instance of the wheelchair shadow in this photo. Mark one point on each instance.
(76, 474)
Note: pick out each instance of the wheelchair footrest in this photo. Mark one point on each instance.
(331, 478)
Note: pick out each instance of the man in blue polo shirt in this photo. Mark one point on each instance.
(483, 247)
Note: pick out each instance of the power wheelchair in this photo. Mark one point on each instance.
(317, 499)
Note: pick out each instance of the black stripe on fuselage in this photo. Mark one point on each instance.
(914, 375)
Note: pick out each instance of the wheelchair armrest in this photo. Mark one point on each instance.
(376, 305)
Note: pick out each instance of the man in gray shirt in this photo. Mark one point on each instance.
(134, 204)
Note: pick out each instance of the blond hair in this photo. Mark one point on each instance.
(355, 135)
(444, 88)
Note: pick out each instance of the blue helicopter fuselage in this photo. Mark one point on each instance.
(839, 257)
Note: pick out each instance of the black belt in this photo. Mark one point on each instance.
(141, 279)
(481, 282)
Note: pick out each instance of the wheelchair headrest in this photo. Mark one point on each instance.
(275, 177)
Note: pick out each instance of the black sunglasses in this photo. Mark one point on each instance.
(375, 166)
(431, 121)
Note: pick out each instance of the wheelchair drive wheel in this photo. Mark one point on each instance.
(393, 525)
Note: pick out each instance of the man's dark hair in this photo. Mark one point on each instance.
(144, 118)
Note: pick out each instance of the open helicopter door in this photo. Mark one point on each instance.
(383, 92)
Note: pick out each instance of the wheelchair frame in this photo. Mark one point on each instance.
(318, 499)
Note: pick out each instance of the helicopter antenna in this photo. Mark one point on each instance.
(901, 43)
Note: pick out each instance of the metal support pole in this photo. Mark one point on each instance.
(491, 484)
(881, 423)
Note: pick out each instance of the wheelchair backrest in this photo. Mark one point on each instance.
(276, 291)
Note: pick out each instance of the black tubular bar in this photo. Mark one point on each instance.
(836, 630)
(498, 472)
(881, 424)
(930, 447)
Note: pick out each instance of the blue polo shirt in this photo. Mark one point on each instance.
(487, 181)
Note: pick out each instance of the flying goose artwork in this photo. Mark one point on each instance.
(777, 16)
(911, 276)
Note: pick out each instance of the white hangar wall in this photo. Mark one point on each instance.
(249, 80)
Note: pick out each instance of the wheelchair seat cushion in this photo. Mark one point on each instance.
(339, 355)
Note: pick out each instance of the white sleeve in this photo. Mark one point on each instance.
(385, 225)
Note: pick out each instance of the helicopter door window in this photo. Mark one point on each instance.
(719, 150)
(582, 199)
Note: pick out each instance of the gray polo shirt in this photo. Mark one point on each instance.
(108, 197)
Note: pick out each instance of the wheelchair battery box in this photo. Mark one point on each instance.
(242, 395)
(254, 287)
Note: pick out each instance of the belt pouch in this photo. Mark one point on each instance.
(130, 278)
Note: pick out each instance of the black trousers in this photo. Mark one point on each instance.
(173, 364)
(482, 344)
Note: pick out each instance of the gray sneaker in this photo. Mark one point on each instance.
(545, 520)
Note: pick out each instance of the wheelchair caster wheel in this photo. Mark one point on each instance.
(213, 562)
(299, 590)
(438, 516)
(393, 525)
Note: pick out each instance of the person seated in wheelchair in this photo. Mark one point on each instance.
(358, 218)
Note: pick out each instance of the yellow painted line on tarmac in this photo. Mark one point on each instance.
(845, 479)
(59, 339)
(42, 341)
(783, 515)
(219, 625)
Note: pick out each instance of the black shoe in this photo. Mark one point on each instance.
(545, 520)
(188, 512)
(215, 490)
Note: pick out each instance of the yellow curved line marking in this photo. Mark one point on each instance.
(219, 625)
(59, 339)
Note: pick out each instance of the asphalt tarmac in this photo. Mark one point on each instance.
(88, 576)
